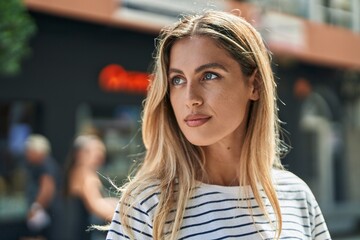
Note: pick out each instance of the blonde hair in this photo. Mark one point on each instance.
(171, 159)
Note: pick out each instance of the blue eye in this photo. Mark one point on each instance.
(210, 76)
(177, 81)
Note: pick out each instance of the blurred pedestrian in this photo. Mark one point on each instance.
(83, 188)
(42, 185)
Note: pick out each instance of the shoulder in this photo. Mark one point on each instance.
(298, 204)
(50, 165)
(143, 198)
(287, 178)
(287, 183)
(134, 213)
(87, 178)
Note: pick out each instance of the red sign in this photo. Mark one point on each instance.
(114, 78)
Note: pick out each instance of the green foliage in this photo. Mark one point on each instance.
(16, 27)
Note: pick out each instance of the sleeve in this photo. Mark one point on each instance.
(139, 222)
(49, 168)
(319, 230)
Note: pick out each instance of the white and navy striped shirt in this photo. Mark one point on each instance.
(215, 212)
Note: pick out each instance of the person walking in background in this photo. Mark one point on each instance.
(43, 182)
(83, 188)
(210, 127)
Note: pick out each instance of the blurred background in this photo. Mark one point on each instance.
(69, 66)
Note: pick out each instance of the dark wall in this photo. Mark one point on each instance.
(62, 71)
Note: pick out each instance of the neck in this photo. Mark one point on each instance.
(222, 163)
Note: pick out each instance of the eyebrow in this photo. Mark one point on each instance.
(201, 68)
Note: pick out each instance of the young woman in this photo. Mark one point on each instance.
(83, 188)
(210, 128)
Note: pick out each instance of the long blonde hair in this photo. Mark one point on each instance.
(171, 159)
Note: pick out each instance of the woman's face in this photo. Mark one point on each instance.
(208, 91)
(93, 154)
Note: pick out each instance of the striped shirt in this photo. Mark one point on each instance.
(215, 212)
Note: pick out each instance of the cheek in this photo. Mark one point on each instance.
(230, 107)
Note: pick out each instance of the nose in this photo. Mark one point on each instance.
(193, 96)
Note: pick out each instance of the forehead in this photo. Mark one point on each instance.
(197, 50)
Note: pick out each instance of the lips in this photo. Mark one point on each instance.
(196, 120)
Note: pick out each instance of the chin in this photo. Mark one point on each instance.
(199, 141)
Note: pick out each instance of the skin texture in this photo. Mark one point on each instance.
(210, 97)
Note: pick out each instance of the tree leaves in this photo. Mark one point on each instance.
(16, 28)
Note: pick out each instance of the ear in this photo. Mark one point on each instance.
(254, 83)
